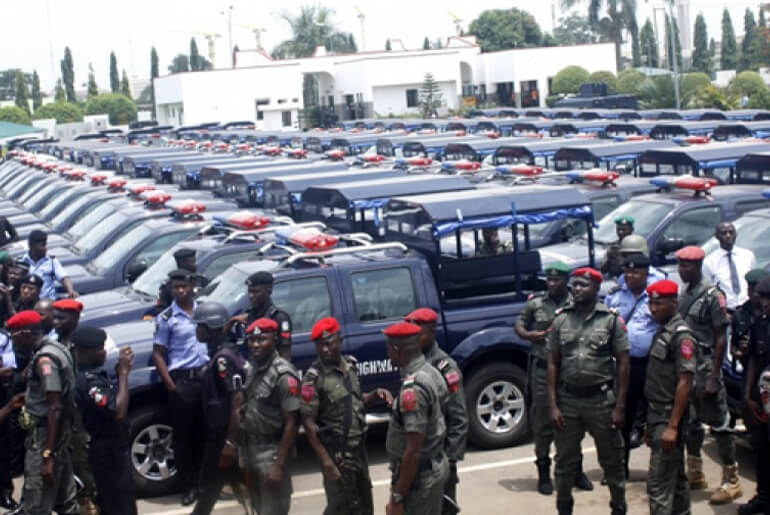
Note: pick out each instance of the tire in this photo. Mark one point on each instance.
(151, 456)
(504, 422)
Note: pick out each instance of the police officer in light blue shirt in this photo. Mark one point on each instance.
(179, 358)
(631, 302)
(46, 267)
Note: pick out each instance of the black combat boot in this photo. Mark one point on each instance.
(755, 506)
(544, 485)
(564, 507)
(618, 510)
(581, 480)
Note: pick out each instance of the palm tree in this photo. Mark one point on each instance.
(313, 27)
(620, 16)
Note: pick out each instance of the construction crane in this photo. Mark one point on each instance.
(458, 23)
(256, 30)
(208, 36)
(361, 17)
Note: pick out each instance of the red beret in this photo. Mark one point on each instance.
(691, 253)
(68, 305)
(402, 330)
(422, 316)
(664, 288)
(588, 273)
(23, 319)
(262, 325)
(325, 328)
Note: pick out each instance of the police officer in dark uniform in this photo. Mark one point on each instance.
(104, 408)
(223, 382)
(746, 316)
(17, 271)
(179, 358)
(755, 400)
(260, 286)
(612, 265)
(7, 365)
(185, 260)
(29, 293)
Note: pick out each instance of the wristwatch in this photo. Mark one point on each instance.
(396, 498)
(47, 454)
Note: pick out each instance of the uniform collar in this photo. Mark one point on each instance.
(697, 286)
(413, 366)
(261, 367)
(674, 322)
(177, 310)
(31, 261)
(431, 353)
(343, 367)
(262, 313)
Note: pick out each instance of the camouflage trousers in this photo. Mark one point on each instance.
(593, 414)
(352, 495)
(667, 488)
(39, 498)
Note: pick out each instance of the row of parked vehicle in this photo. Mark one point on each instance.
(365, 236)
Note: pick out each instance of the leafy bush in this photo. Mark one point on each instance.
(121, 109)
(746, 83)
(62, 111)
(569, 80)
(605, 76)
(629, 81)
(712, 97)
(14, 114)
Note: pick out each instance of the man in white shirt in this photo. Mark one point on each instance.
(727, 266)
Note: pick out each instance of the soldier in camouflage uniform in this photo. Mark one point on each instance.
(269, 423)
(49, 483)
(669, 379)
(533, 325)
(456, 413)
(334, 415)
(588, 354)
(417, 431)
(704, 310)
(612, 265)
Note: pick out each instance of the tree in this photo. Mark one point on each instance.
(569, 80)
(14, 114)
(179, 64)
(194, 56)
(430, 96)
(311, 28)
(629, 81)
(747, 60)
(729, 59)
(620, 16)
(114, 80)
(93, 89)
(762, 20)
(746, 83)
(760, 100)
(657, 92)
(677, 44)
(575, 30)
(636, 50)
(68, 75)
(153, 75)
(22, 92)
(712, 97)
(61, 111)
(388, 47)
(352, 45)
(713, 52)
(649, 45)
(125, 86)
(501, 29)
(701, 58)
(59, 94)
(689, 83)
(37, 96)
(426, 43)
(145, 97)
(121, 109)
(606, 77)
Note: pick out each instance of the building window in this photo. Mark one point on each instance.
(286, 118)
(261, 102)
(412, 98)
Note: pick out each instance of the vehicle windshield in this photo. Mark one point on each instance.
(60, 202)
(30, 201)
(647, 215)
(91, 240)
(228, 288)
(34, 192)
(149, 282)
(753, 233)
(71, 209)
(122, 246)
(89, 221)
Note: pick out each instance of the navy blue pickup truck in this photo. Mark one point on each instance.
(424, 263)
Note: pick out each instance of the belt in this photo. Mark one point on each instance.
(658, 407)
(426, 463)
(586, 391)
(190, 374)
(539, 363)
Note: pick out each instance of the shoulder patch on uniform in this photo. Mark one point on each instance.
(308, 391)
(222, 366)
(293, 385)
(408, 382)
(282, 367)
(99, 397)
(452, 380)
(409, 399)
(46, 365)
(687, 348)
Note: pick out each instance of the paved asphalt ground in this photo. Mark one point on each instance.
(499, 482)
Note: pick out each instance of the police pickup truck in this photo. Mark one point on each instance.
(368, 287)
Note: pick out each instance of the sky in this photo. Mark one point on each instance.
(94, 28)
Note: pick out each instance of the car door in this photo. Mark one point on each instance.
(691, 227)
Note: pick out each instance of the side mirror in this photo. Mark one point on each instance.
(669, 245)
(134, 270)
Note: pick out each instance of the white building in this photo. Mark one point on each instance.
(368, 84)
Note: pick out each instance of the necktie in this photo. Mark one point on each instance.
(736, 283)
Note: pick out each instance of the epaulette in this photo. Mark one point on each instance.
(166, 314)
(560, 310)
(443, 364)
(283, 367)
(614, 311)
(408, 382)
(351, 359)
(614, 289)
(682, 329)
(535, 295)
(311, 375)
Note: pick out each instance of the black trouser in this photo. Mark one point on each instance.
(111, 464)
(758, 434)
(6, 479)
(185, 408)
(635, 399)
(212, 477)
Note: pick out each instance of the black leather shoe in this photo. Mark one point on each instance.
(7, 502)
(753, 507)
(189, 497)
(19, 510)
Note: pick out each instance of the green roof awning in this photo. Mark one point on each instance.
(10, 130)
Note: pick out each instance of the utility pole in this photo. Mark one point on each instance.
(362, 18)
